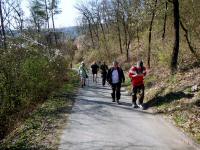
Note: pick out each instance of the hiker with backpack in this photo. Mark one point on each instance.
(115, 77)
(137, 73)
(95, 69)
(104, 69)
(83, 73)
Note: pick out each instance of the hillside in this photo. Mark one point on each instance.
(71, 32)
(177, 97)
(164, 34)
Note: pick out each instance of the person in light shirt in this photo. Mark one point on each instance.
(83, 73)
(115, 77)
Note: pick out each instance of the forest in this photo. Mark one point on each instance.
(155, 31)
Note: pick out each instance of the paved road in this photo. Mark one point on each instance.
(96, 123)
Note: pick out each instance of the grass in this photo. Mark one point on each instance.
(149, 81)
(176, 100)
(41, 129)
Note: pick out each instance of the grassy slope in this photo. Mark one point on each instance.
(172, 96)
(41, 129)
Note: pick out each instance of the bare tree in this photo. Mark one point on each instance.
(47, 14)
(3, 33)
(192, 49)
(118, 22)
(175, 53)
(150, 30)
(165, 20)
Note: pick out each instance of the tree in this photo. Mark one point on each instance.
(150, 30)
(54, 9)
(3, 33)
(118, 22)
(47, 14)
(165, 20)
(38, 13)
(174, 60)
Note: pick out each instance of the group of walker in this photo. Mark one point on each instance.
(115, 77)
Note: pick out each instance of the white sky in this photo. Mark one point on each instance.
(66, 18)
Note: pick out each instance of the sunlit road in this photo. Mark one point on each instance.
(96, 123)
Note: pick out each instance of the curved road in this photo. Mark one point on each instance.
(98, 124)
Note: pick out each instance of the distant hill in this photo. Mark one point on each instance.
(69, 31)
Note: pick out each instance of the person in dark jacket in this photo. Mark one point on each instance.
(95, 69)
(104, 69)
(115, 77)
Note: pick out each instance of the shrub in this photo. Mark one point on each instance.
(27, 76)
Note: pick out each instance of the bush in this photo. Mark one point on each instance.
(27, 76)
(36, 76)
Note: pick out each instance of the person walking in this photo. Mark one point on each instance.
(104, 69)
(83, 73)
(115, 77)
(137, 73)
(95, 69)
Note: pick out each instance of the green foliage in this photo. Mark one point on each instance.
(173, 79)
(44, 121)
(150, 80)
(36, 73)
(180, 118)
(164, 58)
(27, 77)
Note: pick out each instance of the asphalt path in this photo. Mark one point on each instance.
(96, 123)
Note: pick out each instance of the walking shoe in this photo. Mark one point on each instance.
(113, 99)
(140, 106)
(134, 106)
(118, 102)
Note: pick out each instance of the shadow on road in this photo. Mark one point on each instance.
(101, 104)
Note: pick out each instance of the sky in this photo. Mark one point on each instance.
(66, 18)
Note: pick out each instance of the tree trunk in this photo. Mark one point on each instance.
(103, 32)
(126, 38)
(91, 35)
(165, 20)
(90, 30)
(189, 42)
(150, 29)
(118, 29)
(2, 26)
(104, 36)
(174, 60)
(119, 38)
(54, 29)
(47, 14)
(138, 38)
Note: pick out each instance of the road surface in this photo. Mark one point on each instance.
(96, 123)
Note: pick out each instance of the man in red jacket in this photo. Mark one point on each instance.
(137, 73)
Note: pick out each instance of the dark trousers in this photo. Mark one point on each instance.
(103, 75)
(116, 91)
(138, 90)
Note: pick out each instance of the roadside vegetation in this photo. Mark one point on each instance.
(178, 97)
(41, 128)
(35, 60)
